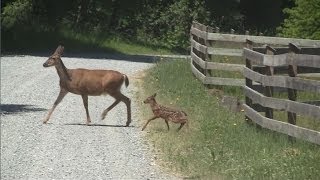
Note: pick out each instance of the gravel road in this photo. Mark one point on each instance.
(66, 148)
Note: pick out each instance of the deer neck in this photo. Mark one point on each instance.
(62, 72)
(154, 104)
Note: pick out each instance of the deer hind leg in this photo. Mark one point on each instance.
(61, 95)
(85, 103)
(105, 112)
(120, 97)
(153, 118)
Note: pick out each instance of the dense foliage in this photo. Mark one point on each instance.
(303, 20)
(163, 23)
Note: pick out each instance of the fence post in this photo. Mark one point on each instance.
(200, 40)
(208, 56)
(292, 93)
(217, 29)
(269, 71)
(249, 45)
(191, 38)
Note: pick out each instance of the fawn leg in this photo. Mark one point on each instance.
(167, 124)
(105, 112)
(153, 118)
(182, 124)
(85, 103)
(61, 95)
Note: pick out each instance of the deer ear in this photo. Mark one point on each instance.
(154, 95)
(59, 50)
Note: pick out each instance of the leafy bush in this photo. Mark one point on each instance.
(303, 20)
(18, 13)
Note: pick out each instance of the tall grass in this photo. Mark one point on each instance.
(219, 144)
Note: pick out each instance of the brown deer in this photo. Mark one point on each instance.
(165, 113)
(88, 83)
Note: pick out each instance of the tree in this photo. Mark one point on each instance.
(302, 21)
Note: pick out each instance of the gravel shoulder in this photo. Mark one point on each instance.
(66, 148)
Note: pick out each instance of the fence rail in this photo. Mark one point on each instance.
(265, 67)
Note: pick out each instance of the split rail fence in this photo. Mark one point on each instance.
(266, 69)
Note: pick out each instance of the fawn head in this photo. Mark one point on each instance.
(150, 99)
(55, 57)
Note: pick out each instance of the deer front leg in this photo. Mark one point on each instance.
(61, 95)
(105, 112)
(153, 118)
(85, 103)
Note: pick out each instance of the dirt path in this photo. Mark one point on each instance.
(66, 148)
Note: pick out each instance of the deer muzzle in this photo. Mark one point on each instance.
(45, 65)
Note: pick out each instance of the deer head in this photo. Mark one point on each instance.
(55, 57)
(150, 99)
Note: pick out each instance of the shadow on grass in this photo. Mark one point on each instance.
(101, 125)
(18, 108)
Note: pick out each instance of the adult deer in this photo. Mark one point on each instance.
(88, 83)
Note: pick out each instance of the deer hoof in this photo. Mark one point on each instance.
(103, 115)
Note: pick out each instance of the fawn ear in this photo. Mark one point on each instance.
(59, 50)
(154, 95)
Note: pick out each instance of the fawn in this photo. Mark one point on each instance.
(165, 113)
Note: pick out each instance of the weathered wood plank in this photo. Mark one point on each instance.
(282, 127)
(198, 46)
(198, 33)
(197, 73)
(225, 51)
(262, 39)
(283, 81)
(198, 60)
(224, 81)
(199, 26)
(292, 59)
(253, 56)
(225, 67)
(284, 69)
(283, 104)
(283, 50)
(275, 60)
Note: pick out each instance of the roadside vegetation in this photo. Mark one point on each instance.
(79, 42)
(218, 143)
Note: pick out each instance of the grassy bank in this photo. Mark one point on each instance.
(218, 143)
(75, 42)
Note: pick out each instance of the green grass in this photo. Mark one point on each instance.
(218, 144)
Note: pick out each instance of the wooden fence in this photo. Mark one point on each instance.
(292, 58)
(268, 67)
(202, 49)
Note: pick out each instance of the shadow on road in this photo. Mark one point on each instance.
(106, 56)
(18, 108)
(102, 125)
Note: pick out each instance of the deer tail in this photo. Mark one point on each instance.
(126, 80)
